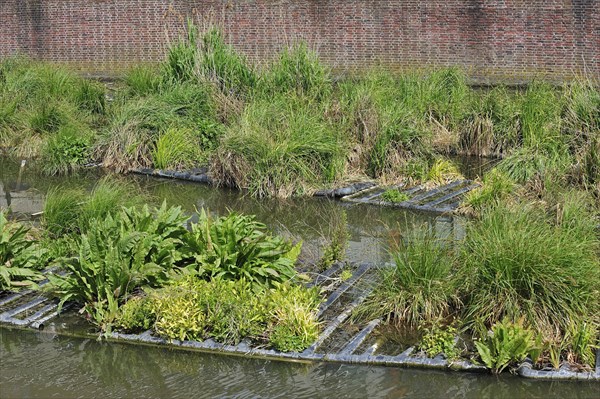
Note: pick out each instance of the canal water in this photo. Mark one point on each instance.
(49, 365)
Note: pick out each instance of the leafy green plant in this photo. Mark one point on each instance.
(346, 274)
(394, 195)
(237, 247)
(421, 286)
(118, 254)
(65, 151)
(18, 256)
(507, 343)
(437, 340)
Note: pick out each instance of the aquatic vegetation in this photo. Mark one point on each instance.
(437, 340)
(394, 195)
(280, 147)
(506, 343)
(519, 264)
(419, 288)
(229, 311)
(176, 148)
(236, 247)
(335, 249)
(118, 254)
(19, 256)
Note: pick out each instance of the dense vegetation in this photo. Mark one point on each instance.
(523, 282)
(136, 268)
(286, 128)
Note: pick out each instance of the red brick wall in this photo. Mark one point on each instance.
(510, 39)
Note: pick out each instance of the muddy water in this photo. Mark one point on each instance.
(42, 365)
(47, 365)
(371, 228)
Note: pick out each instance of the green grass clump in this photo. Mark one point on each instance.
(420, 288)
(137, 123)
(61, 211)
(142, 80)
(297, 70)
(521, 264)
(71, 210)
(223, 66)
(281, 147)
(528, 162)
(497, 187)
(39, 99)
(176, 149)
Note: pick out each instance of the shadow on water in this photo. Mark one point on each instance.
(45, 365)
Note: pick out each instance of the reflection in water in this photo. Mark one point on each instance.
(307, 219)
(45, 365)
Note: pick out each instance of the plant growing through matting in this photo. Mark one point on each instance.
(420, 287)
(394, 195)
(437, 340)
(507, 343)
(117, 255)
(237, 247)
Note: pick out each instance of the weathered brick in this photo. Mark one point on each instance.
(510, 39)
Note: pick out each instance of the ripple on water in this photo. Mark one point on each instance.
(42, 365)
